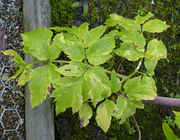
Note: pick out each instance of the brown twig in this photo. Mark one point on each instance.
(137, 127)
(164, 101)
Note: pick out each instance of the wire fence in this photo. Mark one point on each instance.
(3, 125)
(11, 102)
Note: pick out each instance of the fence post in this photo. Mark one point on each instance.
(39, 122)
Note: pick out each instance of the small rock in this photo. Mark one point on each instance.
(5, 76)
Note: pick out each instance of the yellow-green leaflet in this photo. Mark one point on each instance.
(40, 80)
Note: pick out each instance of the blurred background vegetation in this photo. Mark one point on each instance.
(167, 73)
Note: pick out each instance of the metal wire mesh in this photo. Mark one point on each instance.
(4, 110)
(11, 112)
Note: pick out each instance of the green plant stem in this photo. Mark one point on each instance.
(136, 70)
(119, 75)
(141, 73)
(59, 61)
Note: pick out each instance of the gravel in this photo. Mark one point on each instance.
(11, 97)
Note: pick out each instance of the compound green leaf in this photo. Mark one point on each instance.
(98, 84)
(113, 20)
(112, 33)
(64, 98)
(149, 81)
(80, 31)
(37, 42)
(115, 83)
(40, 80)
(17, 58)
(99, 52)
(26, 50)
(150, 65)
(135, 38)
(53, 74)
(126, 23)
(71, 46)
(141, 19)
(111, 108)
(104, 112)
(94, 86)
(73, 39)
(57, 41)
(64, 40)
(106, 89)
(140, 88)
(93, 35)
(86, 90)
(156, 50)
(137, 104)
(121, 105)
(155, 26)
(168, 132)
(78, 99)
(85, 113)
(24, 77)
(72, 69)
(58, 82)
(129, 52)
(63, 82)
(68, 95)
(177, 118)
(130, 109)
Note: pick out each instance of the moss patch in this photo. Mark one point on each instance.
(62, 12)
